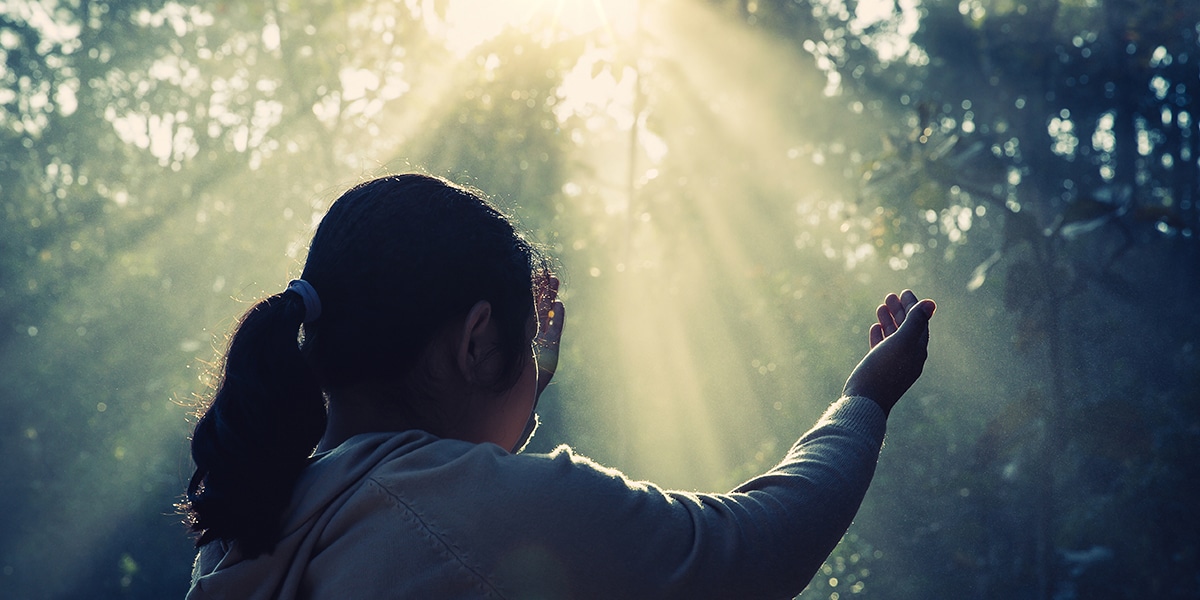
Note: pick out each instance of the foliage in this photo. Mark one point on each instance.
(1073, 126)
(726, 207)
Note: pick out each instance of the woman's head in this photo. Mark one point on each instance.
(398, 264)
(394, 260)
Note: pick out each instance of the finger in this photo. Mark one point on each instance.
(918, 318)
(886, 323)
(876, 334)
(929, 306)
(557, 316)
(548, 343)
(909, 300)
(549, 294)
(545, 303)
(899, 311)
(551, 332)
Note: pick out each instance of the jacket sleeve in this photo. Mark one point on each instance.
(576, 529)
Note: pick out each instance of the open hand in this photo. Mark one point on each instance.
(550, 314)
(899, 344)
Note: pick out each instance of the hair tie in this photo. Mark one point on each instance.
(312, 303)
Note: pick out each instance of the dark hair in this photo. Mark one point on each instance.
(392, 262)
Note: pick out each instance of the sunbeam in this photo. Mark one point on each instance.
(469, 23)
(701, 240)
(727, 188)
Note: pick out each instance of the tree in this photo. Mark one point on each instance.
(724, 186)
(1071, 125)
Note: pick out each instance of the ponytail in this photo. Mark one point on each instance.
(395, 258)
(255, 437)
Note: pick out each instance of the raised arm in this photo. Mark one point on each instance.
(612, 537)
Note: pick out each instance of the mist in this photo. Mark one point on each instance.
(729, 189)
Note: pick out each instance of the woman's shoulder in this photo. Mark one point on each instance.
(442, 466)
(457, 508)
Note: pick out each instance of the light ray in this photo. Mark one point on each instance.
(690, 306)
(470, 23)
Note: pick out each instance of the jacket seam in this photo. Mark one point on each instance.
(452, 549)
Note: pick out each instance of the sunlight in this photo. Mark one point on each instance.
(469, 23)
(893, 23)
(726, 189)
(617, 17)
(701, 358)
(592, 90)
(45, 18)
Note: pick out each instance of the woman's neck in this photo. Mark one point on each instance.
(351, 416)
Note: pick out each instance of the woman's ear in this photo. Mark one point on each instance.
(475, 340)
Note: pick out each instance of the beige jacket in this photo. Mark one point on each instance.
(408, 515)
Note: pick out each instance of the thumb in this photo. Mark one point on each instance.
(918, 317)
